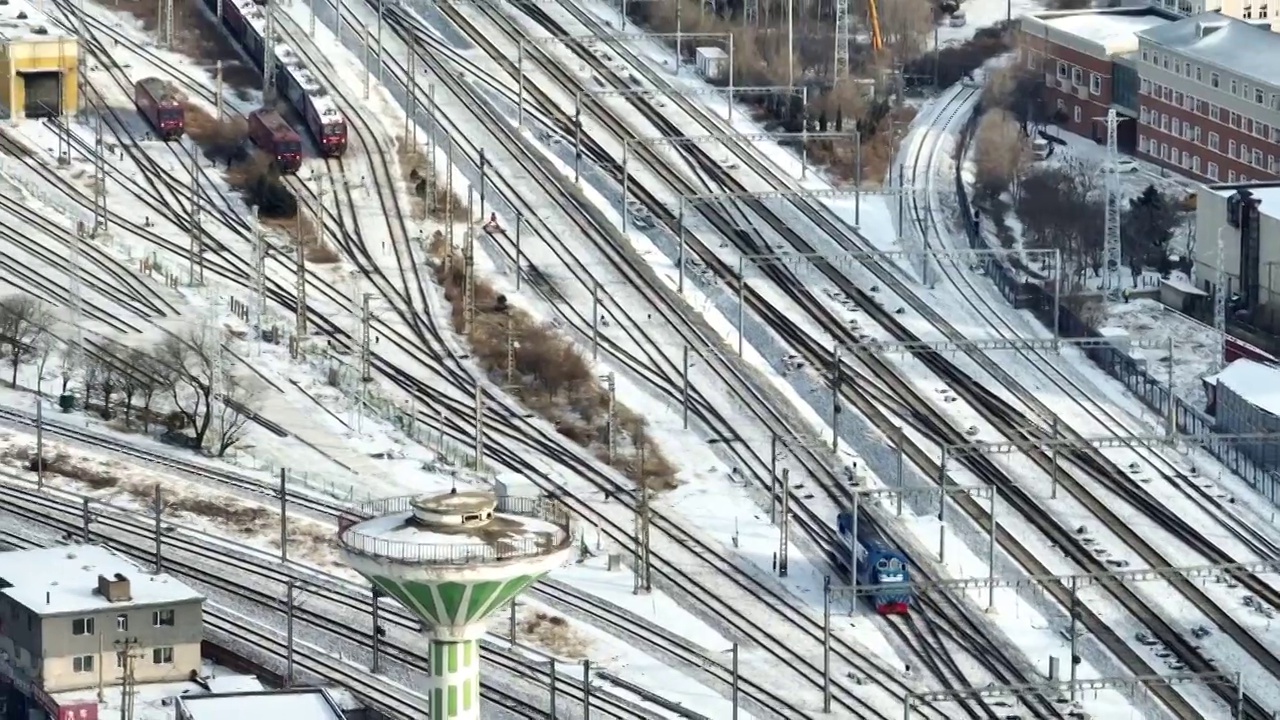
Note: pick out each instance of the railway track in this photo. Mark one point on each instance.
(249, 575)
(589, 147)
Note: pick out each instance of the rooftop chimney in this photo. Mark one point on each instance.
(115, 589)
(1205, 28)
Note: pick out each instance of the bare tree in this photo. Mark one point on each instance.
(1001, 153)
(189, 360)
(153, 377)
(43, 353)
(236, 406)
(23, 319)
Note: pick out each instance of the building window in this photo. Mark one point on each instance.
(1174, 126)
(1215, 113)
(1164, 62)
(1196, 137)
(1075, 113)
(1199, 106)
(1257, 158)
(1259, 96)
(1198, 76)
(1146, 56)
(1244, 152)
(122, 622)
(1177, 99)
(1231, 176)
(1095, 83)
(1164, 123)
(1213, 141)
(1195, 164)
(1062, 69)
(1155, 58)
(1214, 80)
(1271, 163)
(1144, 86)
(1186, 159)
(1077, 76)
(162, 618)
(82, 663)
(82, 626)
(1233, 120)
(1031, 60)
(1166, 93)
(162, 656)
(1177, 66)
(1231, 148)
(1142, 143)
(1235, 87)
(1213, 171)
(1142, 113)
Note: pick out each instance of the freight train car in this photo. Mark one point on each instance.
(160, 107)
(273, 135)
(245, 21)
(878, 564)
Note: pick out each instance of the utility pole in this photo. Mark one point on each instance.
(288, 672)
(197, 243)
(1111, 240)
(76, 349)
(128, 680)
(611, 419)
(269, 54)
(39, 443)
(260, 281)
(641, 579)
(100, 219)
(468, 266)
(595, 321)
(479, 449)
(511, 352)
(366, 364)
(411, 127)
(157, 509)
(785, 528)
(835, 399)
(300, 319)
(217, 87)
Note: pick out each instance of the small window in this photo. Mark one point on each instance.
(1075, 113)
(1235, 87)
(1164, 123)
(1231, 176)
(1231, 148)
(162, 618)
(1144, 86)
(1164, 62)
(1062, 69)
(122, 622)
(1174, 126)
(162, 656)
(1197, 135)
(1077, 76)
(1213, 171)
(1146, 56)
(1142, 143)
(1214, 80)
(1095, 83)
(1143, 115)
(1186, 159)
(1195, 164)
(1257, 158)
(1177, 66)
(82, 663)
(82, 626)
(1213, 141)
(1198, 76)
(1259, 96)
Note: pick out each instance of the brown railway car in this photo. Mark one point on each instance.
(158, 104)
(275, 137)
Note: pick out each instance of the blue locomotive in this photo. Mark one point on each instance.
(878, 564)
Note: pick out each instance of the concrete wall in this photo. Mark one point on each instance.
(49, 54)
(188, 628)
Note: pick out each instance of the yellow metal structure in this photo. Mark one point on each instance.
(877, 40)
(26, 58)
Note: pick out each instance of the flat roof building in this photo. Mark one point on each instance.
(299, 704)
(1086, 59)
(76, 617)
(39, 64)
(1247, 215)
(1210, 99)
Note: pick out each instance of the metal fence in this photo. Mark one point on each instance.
(523, 544)
(1119, 365)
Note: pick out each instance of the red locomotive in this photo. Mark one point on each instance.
(156, 101)
(273, 135)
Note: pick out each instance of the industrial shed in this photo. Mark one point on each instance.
(1245, 398)
(39, 71)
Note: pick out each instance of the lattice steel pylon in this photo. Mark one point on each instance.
(841, 62)
(269, 54)
(1111, 238)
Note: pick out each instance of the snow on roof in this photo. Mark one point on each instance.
(324, 104)
(1256, 383)
(308, 704)
(1268, 194)
(20, 21)
(63, 580)
(1115, 30)
(1231, 44)
(712, 52)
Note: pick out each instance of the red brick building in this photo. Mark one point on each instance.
(1088, 60)
(1209, 99)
